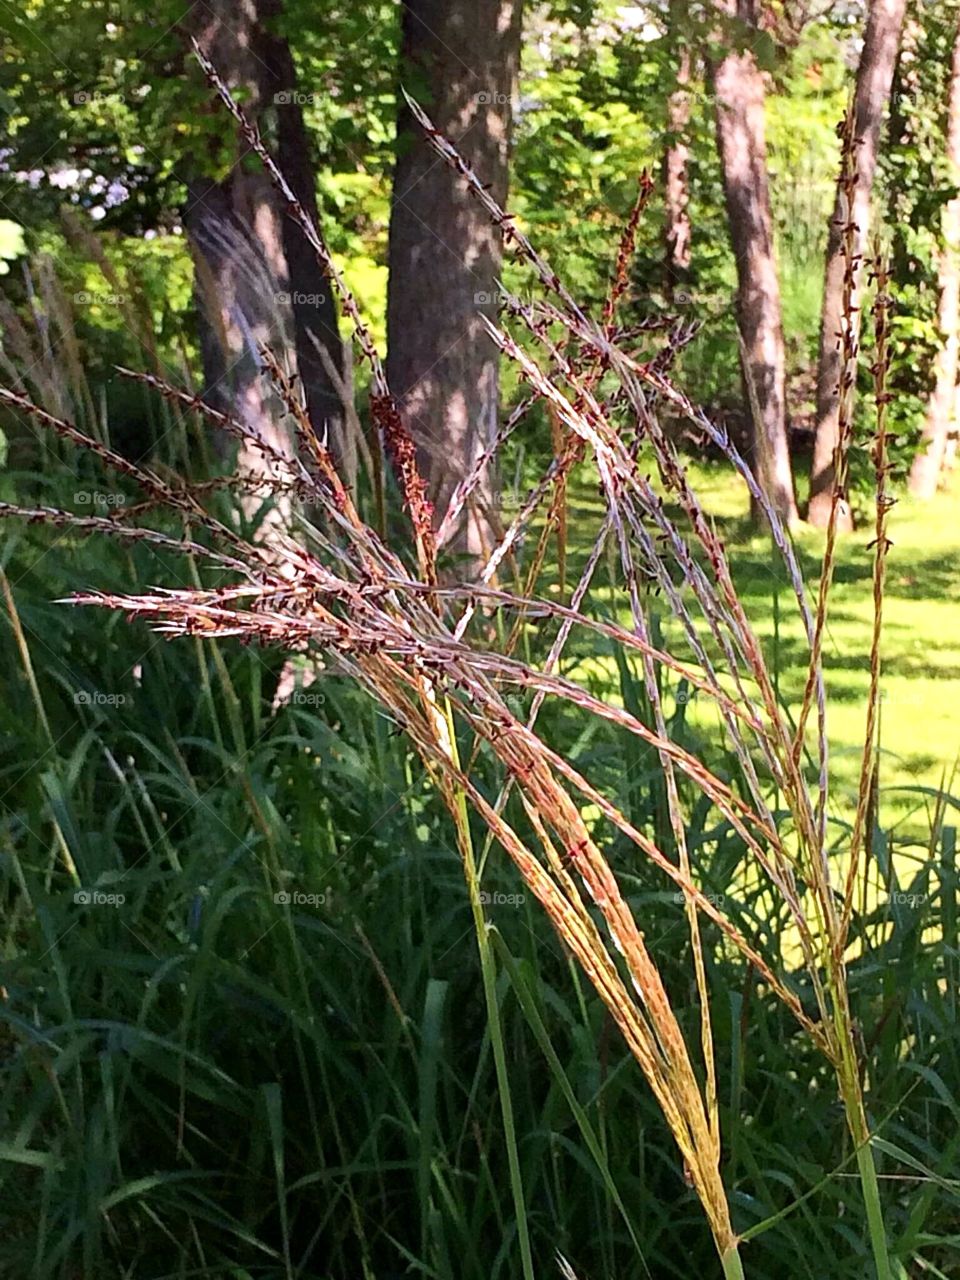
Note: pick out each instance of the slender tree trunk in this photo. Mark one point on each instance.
(741, 137)
(871, 96)
(927, 466)
(675, 162)
(460, 59)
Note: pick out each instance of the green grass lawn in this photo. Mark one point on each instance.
(920, 717)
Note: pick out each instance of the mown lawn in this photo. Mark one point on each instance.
(920, 717)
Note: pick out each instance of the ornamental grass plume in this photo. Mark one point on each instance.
(333, 587)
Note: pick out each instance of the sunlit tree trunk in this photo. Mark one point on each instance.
(460, 59)
(871, 96)
(741, 135)
(927, 466)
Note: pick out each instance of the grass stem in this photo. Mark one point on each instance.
(732, 1266)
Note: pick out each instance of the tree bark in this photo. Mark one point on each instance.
(741, 138)
(257, 280)
(928, 465)
(871, 95)
(675, 163)
(460, 59)
(235, 230)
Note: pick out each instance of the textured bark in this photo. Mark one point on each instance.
(256, 279)
(741, 138)
(871, 96)
(460, 59)
(928, 466)
(676, 187)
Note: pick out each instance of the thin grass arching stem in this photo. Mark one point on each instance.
(458, 803)
(852, 1096)
(871, 1199)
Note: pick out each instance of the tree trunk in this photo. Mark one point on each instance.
(240, 285)
(235, 230)
(741, 137)
(927, 466)
(257, 280)
(460, 59)
(675, 177)
(871, 95)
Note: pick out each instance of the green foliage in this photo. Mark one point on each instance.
(207, 1081)
(917, 185)
(204, 1080)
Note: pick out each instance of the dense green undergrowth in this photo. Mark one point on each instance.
(255, 1045)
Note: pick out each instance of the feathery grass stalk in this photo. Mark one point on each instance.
(848, 341)
(881, 547)
(855, 1110)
